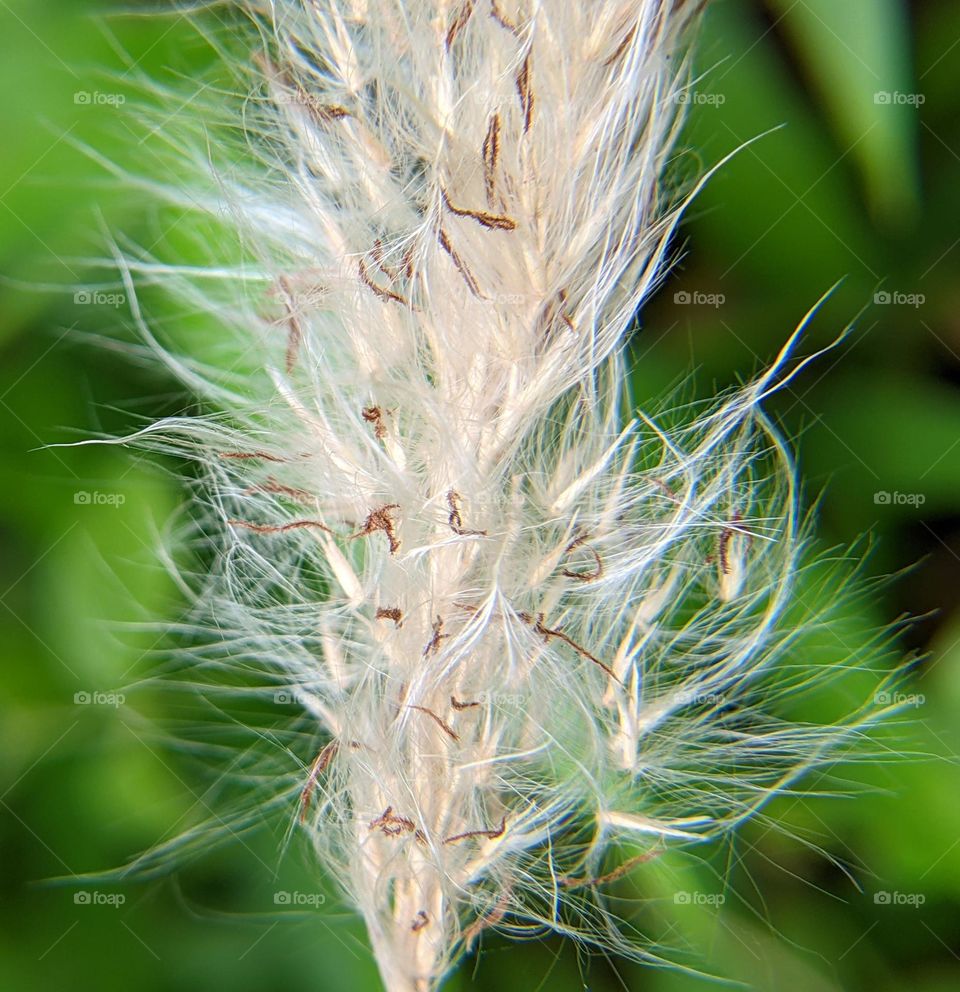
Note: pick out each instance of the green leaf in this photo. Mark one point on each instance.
(858, 57)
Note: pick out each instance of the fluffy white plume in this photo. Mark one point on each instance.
(523, 625)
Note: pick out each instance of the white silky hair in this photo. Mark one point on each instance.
(526, 618)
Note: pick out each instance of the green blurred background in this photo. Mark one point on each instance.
(861, 183)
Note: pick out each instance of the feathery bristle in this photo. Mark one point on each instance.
(522, 627)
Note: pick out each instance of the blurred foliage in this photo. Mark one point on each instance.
(855, 177)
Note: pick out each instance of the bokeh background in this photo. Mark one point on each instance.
(855, 178)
